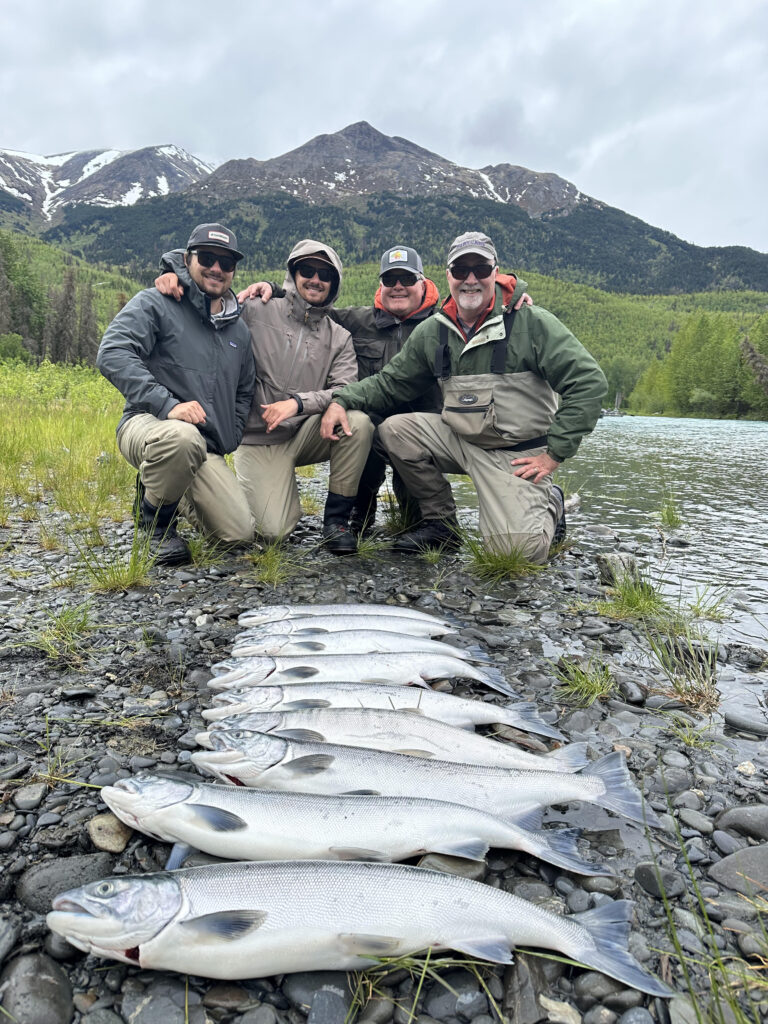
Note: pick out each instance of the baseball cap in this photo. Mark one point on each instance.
(472, 241)
(402, 257)
(215, 234)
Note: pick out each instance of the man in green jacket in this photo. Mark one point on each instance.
(519, 392)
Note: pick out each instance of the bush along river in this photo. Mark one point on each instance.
(96, 687)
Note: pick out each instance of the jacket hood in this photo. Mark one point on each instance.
(431, 298)
(309, 247)
(174, 261)
(507, 288)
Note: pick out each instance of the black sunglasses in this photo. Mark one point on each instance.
(463, 270)
(392, 277)
(308, 271)
(209, 259)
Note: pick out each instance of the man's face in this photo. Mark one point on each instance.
(472, 295)
(307, 275)
(212, 280)
(401, 293)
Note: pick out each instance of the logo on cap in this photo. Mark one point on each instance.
(398, 256)
(218, 236)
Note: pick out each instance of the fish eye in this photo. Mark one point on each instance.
(104, 889)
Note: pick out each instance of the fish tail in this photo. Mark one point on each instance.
(493, 678)
(476, 653)
(604, 948)
(570, 758)
(524, 715)
(621, 795)
(558, 846)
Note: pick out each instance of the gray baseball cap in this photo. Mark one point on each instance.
(473, 241)
(402, 257)
(215, 234)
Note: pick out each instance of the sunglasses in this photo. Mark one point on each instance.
(308, 271)
(463, 270)
(209, 259)
(390, 278)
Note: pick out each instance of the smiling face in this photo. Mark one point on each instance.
(211, 280)
(473, 295)
(399, 298)
(311, 288)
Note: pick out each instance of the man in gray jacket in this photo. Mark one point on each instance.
(187, 374)
(301, 357)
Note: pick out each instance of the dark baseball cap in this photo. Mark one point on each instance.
(216, 235)
(401, 257)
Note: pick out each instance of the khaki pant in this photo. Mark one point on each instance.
(173, 462)
(266, 471)
(514, 513)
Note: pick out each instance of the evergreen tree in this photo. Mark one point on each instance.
(87, 328)
(61, 325)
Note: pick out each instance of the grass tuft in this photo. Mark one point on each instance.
(63, 638)
(496, 566)
(275, 564)
(689, 663)
(633, 597)
(669, 513)
(583, 684)
(108, 569)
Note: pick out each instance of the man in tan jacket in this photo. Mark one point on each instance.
(301, 356)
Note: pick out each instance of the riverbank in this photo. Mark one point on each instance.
(128, 692)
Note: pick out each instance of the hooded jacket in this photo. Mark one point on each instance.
(158, 352)
(548, 386)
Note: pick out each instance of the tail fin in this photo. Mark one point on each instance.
(476, 653)
(621, 794)
(608, 928)
(493, 678)
(558, 846)
(570, 758)
(525, 715)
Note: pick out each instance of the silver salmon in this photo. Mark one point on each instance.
(273, 613)
(255, 824)
(258, 919)
(350, 641)
(299, 767)
(334, 623)
(399, 731)
(444, 707)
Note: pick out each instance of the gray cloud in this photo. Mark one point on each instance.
(659, 111)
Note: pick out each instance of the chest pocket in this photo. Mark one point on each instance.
(370, 354)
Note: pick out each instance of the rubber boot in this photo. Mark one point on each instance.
(363, 516)
(430, 535)
(337, 534)
(165, 545)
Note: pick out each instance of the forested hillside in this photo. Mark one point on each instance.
(675, 354)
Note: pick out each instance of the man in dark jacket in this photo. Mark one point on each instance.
(187, 374)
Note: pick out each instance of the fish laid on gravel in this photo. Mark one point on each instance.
(254, 824)
(273, 613)
(396, 669)
(257, 919)
(335, 623)
(444, 707)
(299, 767)
(351, 641)
(400, 732)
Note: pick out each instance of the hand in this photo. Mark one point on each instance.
(535, 467)
(190, 412)
(335, 416)
(262, 289)
(276, 412)
(524, 300)
(169, 284)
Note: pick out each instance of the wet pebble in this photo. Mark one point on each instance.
(36, 989)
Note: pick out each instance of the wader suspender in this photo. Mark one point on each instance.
(442, 368)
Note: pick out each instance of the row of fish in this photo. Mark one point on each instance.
(331, 751)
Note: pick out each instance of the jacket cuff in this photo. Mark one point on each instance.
(298, 402)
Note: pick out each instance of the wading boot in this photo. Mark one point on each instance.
(363, 517)
(337, 532)
(559, 535)
(430, 535)
(165, 545)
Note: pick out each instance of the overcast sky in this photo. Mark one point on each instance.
(659, 109)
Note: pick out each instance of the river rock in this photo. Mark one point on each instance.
(697, 820)
(109, 833)
(29, 797)
(9, 933)
(749, 820)
(40, 883)
(750, 719)
(465, 1002)
(745, 871)
(302, 988)
(522, 981)
(653, 879)
(615, 567)
(166, 1000)
(35, 990)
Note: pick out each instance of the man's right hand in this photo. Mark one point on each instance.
(190, 412)
(169, 284)
(335, 416)
(262, 290)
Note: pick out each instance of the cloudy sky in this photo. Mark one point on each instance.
(659, 109)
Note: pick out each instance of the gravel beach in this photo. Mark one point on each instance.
(129, 695)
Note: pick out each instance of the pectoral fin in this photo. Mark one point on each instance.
(307, 735)
(300, 672)
(357, 853)
(310, 764)
(177, 856)
(310, 646)
(361, 792)
(469, 849)
(412, 752)
(226, 924)
(305, 704)
(490, 947)
(354, 944)
(216, 818)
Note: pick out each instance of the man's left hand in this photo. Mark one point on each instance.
(535, 467)
(276, 412)
(524, 300)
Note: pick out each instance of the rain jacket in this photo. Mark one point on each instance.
(541, 386)
(159, 352)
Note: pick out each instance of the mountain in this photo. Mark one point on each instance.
(44, 185)
(362, 191)
(361, 161)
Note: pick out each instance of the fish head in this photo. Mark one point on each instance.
(240, 671)
(142, 795)
(115, 916)
(262, 698)
(264, 614)
(231, 766)
(252, 721)
(265, 751)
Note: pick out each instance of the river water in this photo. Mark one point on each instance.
(714, 471)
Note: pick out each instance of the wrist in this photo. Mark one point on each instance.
(299, 404)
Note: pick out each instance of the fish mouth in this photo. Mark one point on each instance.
(67, 906)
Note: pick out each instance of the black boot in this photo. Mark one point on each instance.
(165, 545)
(363, 517)
(337, 534)
(429, 535)
(559, 534)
